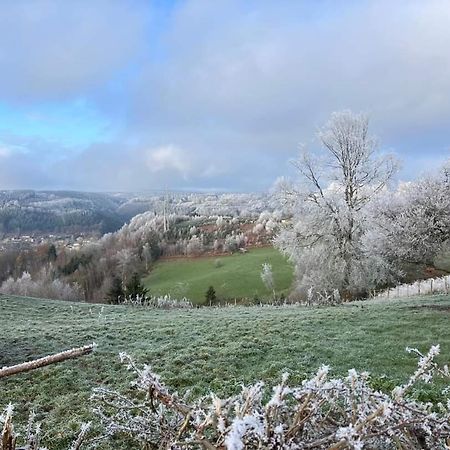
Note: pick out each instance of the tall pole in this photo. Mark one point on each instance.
(165, 224)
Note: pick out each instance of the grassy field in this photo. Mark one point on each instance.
(237, 276)
(204, 348)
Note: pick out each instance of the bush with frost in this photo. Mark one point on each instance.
(162, 302)
(42, 286)
(31, 435)
(321, 413)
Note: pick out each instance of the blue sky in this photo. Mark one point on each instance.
(216, 95)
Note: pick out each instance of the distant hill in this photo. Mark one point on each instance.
(54, 212)
(23, 212)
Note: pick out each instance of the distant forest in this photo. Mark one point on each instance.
(60, 212)
(23, 212)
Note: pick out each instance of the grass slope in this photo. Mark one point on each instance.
(237, 277)
(203, 348)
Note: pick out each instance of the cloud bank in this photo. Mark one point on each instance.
(217, 95)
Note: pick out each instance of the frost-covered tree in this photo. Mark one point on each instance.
(126, 262)
(147, 254)
(329, 206)
(267, 278)
(220, 222)
(413, 224)
(194, 246)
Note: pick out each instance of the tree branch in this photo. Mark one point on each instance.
(47, 360)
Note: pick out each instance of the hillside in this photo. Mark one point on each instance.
(44, 212)
(232, 276)
(205, 348)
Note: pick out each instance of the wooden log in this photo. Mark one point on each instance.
(47, 360)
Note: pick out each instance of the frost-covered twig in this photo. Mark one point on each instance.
(9, 437)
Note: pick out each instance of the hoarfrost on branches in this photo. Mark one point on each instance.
(325, 238)
(321, 413)
(413, 224)
(267, 278)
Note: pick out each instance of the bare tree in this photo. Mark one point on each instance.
(325, 238)
(126, 262)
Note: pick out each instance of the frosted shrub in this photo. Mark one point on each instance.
(43, 286)
(163, 302)
(194, 246)
(270, 226)
(31, 435)
(258, 228)
(267, 278)
(220, 222)
(231, 243)
(321, 413)
(323, 298)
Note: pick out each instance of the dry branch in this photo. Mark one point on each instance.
(46, 360)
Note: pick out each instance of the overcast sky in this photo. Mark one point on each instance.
(212, 94)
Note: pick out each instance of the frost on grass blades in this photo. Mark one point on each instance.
(321, 413)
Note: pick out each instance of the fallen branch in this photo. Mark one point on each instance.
(47, 360)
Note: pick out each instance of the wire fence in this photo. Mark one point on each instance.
(430, 286)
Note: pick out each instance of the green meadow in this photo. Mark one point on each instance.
(234, 276)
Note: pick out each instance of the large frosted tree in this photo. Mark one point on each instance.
(413, 224)
(325, 238)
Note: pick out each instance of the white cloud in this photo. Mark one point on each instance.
(169, 158)
(4, 151)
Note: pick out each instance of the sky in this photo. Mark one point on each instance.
(212, 95)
